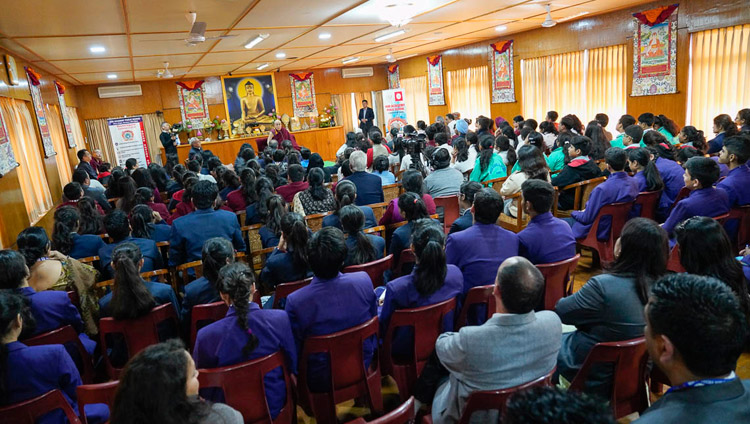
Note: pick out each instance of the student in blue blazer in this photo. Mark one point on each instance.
(346, 194)
(217, 253)
(363, 248)
(288, 262)
(142, 219)
(118, 228)
(65, 237)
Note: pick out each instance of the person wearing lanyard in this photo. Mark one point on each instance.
(695, 332)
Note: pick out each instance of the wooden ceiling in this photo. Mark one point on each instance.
(139, 35)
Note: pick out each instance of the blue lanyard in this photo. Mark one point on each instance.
(701, 383)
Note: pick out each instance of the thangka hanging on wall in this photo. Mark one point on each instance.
(60, 90)
(394, 79)
(501, 63)
(655, 51)
(41, 117)
(7, 158)
(435, 81)
(303, 95)
(193, 103)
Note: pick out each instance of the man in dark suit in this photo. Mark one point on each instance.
(465, 201)
(81, 177)
(118, 228)
(369, 186)
(85, 157)
(366, 117)
(168, 139)
(695, 332)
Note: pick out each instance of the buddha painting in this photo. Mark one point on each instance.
(250, 102)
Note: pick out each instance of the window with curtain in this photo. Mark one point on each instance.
(75, 125)
(59, 140)
(583, 83)
(468, 91)
(27, 149)
(415, 98)
(719, 65)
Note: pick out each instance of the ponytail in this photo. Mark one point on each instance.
(130, 297)
(642, 156)
(216, 254)
(236, 281)
(248, 186)
(67, 220)
(91, 219)
(140, 218)
(264, 190)
(144, 195)
(346, 193)
(276, 211)
(412, 206)
(428, 241)
(352, 222)
(12, 304)
(485, 156)
(296, 235)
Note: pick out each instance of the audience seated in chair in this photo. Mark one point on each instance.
(217, 252)
(65, 237)
(317, 198)
(489, 164)
(331, 302)
(72, 193)
(246, 333)
(695, 332)
(288, 262)
(271, 231)
(256, 212)
(82, 177)
(500, 353)
(735, 154)
(673, 176)
(296, 183)
(369, 187)
(545, 239)
(142, 223)
(413, 209)
(412, 182)
(118, 228)
(465, 201)
(580, 168)
(362, 248)
(443, 180)
(346, 194)
(531, 166)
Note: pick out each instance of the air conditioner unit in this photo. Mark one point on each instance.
(357, 72)
(110, 91)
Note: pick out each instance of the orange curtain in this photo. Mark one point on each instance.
(415, 98)
(27, 149)
(99, 138)
(554, 83)
(605, 83)
(720, 67)
(343, 103)
(75, 125)
(468, 91)
(57, 133)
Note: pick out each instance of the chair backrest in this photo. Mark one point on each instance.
(495, 183)
(202, 315)
(196, 266)
(619, 215)
(741, 213)
(88, 394)
(391, 191)
(450, 210)
(514, 224)
(283, 290)
(629, 357)
(683, 193)
(480, 295)
(65, 335)
(583, 191)
(162, 274)
(558, 280)
(427, 322)
(138, 333)
(90, 260)
(588, 188)
(404, 414)
(28, 411)
(259, 258)
(673, 263)
(243, 387)
(164, 249)
(378, 209)
(241, 215)
(374, 269)
(251, 234)
(378, 231)
(487, 400)
(344, 348)
(315, 221)
(648, 200)
(405, 258)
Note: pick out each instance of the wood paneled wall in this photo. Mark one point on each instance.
(13, 216)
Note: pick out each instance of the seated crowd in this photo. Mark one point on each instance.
(414, 220)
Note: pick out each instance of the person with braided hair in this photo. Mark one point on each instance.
(246, 333)
(217, 253)
(346, 194)
(288, 262)
(65, 237)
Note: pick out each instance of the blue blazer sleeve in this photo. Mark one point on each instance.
(298, 330)
(176, 247)
(69, 378)
(588, 215)
(237, 241)
(584, 306)
(287, 344)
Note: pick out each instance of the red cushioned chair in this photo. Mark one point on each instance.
(619, 213)
(96, 393)
(450, 210)
(244, 389)
(558, 281)
(28, 411)
(405, 258)
(683, 193)
(283, 290)
(489, 400)
(65, 335)
(741, 213)
(673, 264)
(649, 201)
(404, 414)
(374, 269)
(481, 295)
(427, 322)
(74, 299)
(203, 315)
(349, 378)
(629, 357)
(139, 333)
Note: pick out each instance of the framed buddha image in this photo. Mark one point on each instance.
(250, 102)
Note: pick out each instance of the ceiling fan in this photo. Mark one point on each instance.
(549, 22)
(197, 33)
(164, 73)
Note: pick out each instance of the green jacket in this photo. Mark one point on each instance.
(496, 169)
(556, 160)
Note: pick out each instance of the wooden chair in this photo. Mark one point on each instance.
(378, 231)
(349, 378)
(378, 209)
(113, 202)
(374, 269)
(103, 287)
(467, 174)
(605, 249)
(398, 174)
(629, 357)
(495, 183)
(202, 315)
(391, 191)
(404, 414)
(88, 394)
(581, 195)
(259, 258)
(251, 234)
(315, 221)
(91, 260)
(480, 295)
(283, 290)
(182, 275)
(647, 202)
(602, 164)
(241, 215)
(164, 250)
(518, 223)
(63, 336)
(28, 411)
(450, 210)
(138, 333)
(244, 389)
(427, 323)
(558, 281)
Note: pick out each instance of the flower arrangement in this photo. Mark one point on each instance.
(331, 110)
(273, 114)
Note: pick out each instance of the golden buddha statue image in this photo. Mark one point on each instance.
(251, 104)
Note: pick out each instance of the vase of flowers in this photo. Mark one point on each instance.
(331, 111)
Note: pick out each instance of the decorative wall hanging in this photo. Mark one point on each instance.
(303, 94)
(435, 80)
(10, 66)
(250, 102)
(501, 63)
(7, 158)
(193, 103)
(41, 117)
(60, 90)
(655, 51)
(394, 79)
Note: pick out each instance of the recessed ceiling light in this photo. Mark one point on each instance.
(112, 76)
(390, 35)
(97, 49)
(263, 66)
(350, 60)
(280, 55)
(501, 28)
(324, 35)
(250, 44)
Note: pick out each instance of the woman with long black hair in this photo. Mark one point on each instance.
(489, 165)
(256, 213)
(217, 253)
(288, 262)
(247, 332)
(723, 127)
(412, 182)
(646, 173)
(346, 194)
(317, 198)
(245, 195)
(65, 237)
(363, 248)
(413, 208)
(145, 196)
(271, 231)
(91, 220)
(690, 136)
(532, 166)
(143, 221)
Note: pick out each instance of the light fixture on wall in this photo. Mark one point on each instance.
(390, 35)
(350, 60)
(262, 67)
(252, 43)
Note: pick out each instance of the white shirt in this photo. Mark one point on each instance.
(406, 163)
(96, 185)
(202, 177)
(468, 163)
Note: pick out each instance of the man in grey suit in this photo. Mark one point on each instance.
(695, 332)
(513, 347)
